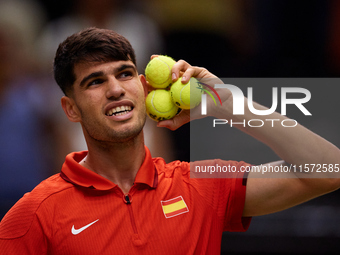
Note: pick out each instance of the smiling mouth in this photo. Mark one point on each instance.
(119, 110)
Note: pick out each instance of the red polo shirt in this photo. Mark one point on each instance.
(165, 212)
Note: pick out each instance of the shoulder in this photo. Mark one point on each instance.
(205, 175)
(218, 168)
(203, 169)
(19, 218)
(168, 170)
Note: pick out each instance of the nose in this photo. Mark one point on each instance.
(114, 89)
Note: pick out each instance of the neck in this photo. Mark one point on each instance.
(118, 162)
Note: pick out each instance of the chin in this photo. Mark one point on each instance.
(127, 134)
(121, 133)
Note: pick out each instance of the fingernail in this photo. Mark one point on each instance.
(173, 76)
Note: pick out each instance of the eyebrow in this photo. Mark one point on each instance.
(90, 76)
(125, 66)
(101, 73)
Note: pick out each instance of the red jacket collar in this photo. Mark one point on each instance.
(75, 173)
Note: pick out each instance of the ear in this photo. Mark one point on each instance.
(145, 84)
(70, 109)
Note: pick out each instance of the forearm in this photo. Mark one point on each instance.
(296, 144)
(299, 147)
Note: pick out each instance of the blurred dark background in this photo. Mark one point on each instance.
(231, 38)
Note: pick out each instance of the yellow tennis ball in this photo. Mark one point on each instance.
(158, 72)
(159, 105)
(188, 95)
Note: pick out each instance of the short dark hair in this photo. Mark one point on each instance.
(89, 45)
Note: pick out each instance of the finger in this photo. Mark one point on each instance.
(186, 71)
(179, 120)
(154, 56)
(178, 69)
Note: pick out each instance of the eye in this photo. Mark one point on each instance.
(125, 74)
(95, 82)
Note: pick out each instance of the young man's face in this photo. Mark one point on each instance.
(108, 99)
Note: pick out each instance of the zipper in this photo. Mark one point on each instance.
(128, 200)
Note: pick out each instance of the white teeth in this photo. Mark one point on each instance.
(119, 110)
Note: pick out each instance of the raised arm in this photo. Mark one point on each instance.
(300, 149)
(296, 146)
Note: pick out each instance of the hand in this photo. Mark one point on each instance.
(184, 71)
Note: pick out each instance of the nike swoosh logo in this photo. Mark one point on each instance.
(77, 231)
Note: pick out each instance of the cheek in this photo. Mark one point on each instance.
(93, 97)
(140, 94)
(90, 104)
(135, 95)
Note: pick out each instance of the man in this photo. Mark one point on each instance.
(115, 199)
